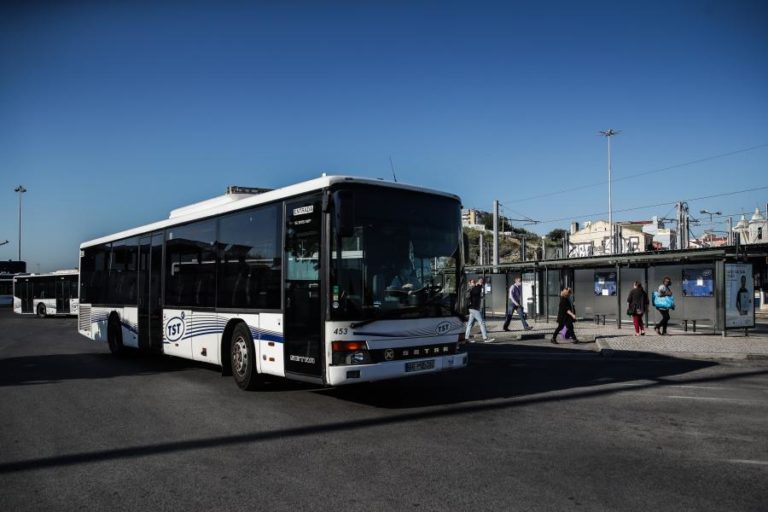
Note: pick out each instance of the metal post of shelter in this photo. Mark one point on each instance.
(618, 296)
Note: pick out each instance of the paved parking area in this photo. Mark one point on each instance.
(525, 427)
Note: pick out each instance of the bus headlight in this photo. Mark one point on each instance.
(350, 352)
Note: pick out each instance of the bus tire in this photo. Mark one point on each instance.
(41, 311)
(115, 336)
(242, 356)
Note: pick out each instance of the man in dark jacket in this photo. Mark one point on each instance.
(475, 315)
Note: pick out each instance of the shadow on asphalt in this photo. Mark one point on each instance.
(425, 393)
(52, 368)
(499, 377)
(514, 371)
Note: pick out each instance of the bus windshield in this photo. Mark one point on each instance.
(394, 254)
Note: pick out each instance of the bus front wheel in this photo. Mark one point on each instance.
(41, 311)
(243, 358)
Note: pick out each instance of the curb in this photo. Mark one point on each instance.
(605, 350)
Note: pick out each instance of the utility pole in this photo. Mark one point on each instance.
(481, 243)
(730, 231)
(495, 235)
(683, 225)
(20, 189)
(610, 132)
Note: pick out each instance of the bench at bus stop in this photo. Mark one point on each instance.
(693, 322)
(599, 318)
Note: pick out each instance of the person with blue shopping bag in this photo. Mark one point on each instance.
(663, 300)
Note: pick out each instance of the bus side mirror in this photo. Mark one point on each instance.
(465, 242)
(344, 211)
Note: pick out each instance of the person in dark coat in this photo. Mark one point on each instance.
(476, 294)
(637, 305)
(565, 317)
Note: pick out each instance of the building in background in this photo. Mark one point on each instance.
(471, 218)
(594, 239)
(13, 267)
(755, 231)
(663, 237)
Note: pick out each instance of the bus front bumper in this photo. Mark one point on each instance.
(350, 374)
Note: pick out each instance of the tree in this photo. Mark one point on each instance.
(556, 235)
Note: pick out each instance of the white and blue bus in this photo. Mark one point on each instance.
(332, 281)
(6, 289)
(50, 294)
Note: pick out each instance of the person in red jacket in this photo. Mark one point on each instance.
(637, 305)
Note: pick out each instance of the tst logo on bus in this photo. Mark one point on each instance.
(443, 327)
(174, 328)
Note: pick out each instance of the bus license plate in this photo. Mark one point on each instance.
(418, 366)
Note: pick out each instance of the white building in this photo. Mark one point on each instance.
(753, 232)
(471, 218)
(663, 238)
(594, 239)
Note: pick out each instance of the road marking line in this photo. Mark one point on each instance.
(745, 461)
(698, 387)
(716, 399)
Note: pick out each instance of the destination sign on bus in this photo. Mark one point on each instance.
(304, 210)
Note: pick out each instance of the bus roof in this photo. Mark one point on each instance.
(233, 202)
(55, 273)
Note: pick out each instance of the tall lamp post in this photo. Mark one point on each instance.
(20, 189)
(711, 214)
(610, 132)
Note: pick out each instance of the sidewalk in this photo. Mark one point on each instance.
(608, 340)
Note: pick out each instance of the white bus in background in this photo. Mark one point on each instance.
(297, 282)
(6, 290)
(54, 293)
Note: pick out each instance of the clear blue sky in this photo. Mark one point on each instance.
(112, 115)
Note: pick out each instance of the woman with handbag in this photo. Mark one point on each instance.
(637, 305)
(565, 317)
(664, 301)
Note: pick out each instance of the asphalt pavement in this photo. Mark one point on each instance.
(527, 426)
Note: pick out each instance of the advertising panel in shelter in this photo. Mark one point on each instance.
(605, 283)
(698, 282)
(739, 295)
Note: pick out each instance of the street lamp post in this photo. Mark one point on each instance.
(610, 132)
(20, 189)
(711, 214)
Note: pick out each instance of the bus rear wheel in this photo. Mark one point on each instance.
(242, 356)
(41, 311)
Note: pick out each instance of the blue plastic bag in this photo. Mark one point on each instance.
(667, 302)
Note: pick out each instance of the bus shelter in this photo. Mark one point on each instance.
(714, 288)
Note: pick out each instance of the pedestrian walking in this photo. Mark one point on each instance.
(637, 305)
(565, 317)
(515, 296)
(664, 305)
(475, 314)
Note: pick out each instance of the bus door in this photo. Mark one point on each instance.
(26, 295)
(63, 294)
(302, 317)
(150, 309)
